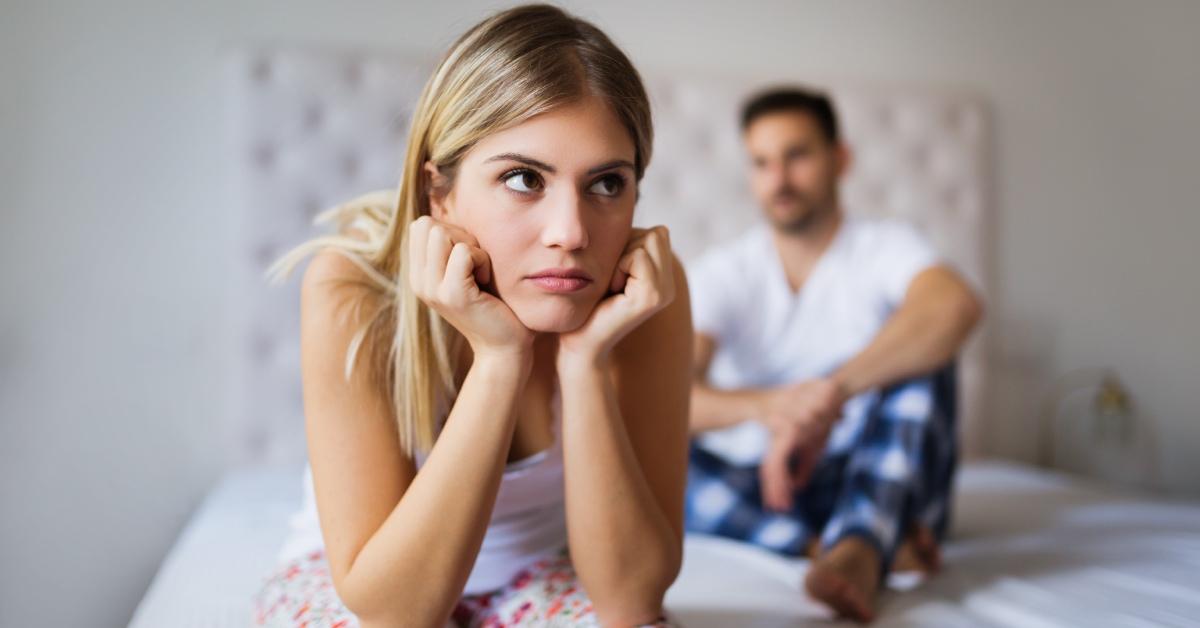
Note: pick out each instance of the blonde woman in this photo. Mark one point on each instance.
(496, 364)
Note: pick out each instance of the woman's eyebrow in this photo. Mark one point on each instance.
(530, 161)
(616, 163)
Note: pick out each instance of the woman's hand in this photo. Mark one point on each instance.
(642, 283)
(446, 269)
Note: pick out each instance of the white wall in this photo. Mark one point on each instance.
(115, 221)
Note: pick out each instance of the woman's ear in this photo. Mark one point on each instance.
(437, 187)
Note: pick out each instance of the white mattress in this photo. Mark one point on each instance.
(1028, 549)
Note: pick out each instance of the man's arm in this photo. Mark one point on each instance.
(711, 408)
(937, 314)
(930, 326)
(933, 321)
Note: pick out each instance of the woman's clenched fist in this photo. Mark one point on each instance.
(447, 270)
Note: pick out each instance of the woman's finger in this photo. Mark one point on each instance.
(459, 266)
(625, 271)
(642, 272)
(635, 239)
(481, 265)
(621, 274)
(658, 246)
(458, 234)
(665, 262)
(437, 253)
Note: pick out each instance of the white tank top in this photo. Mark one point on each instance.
(528, 522)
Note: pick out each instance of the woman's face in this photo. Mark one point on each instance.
(552, 195)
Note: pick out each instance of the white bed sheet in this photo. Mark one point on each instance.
(1028, 549)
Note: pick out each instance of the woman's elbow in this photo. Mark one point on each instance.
(399, 606)
(642, 607)
(666, 568)
(398, 613)
(637, 598)
(358, 601)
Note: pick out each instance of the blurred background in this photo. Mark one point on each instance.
(118, 221)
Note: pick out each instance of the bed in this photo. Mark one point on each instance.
(309, 128)
(1028, 548)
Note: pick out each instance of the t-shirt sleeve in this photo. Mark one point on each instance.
(712, 287)
(902, 252)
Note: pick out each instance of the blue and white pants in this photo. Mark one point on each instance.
(896, 471)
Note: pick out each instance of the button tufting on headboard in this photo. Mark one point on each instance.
(315, 127)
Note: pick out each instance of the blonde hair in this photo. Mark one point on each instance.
(507, 69)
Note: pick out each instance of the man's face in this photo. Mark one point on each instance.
(794, 169)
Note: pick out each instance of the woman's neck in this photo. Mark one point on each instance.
(543, 372)
(545, 353)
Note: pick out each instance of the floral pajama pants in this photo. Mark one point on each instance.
(547, 593)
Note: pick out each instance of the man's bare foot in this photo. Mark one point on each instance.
(919, 552)
(847, 578)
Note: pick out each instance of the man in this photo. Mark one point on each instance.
(823, 403)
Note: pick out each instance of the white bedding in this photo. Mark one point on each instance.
(1028, 549)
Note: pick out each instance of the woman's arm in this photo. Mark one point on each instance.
(400, 544)
(625, 449)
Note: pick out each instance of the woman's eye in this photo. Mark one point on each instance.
(522, 181)
(608, 186)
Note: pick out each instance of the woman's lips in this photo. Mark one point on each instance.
(551, 283)
(561, 279)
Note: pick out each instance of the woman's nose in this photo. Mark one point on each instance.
(564, 226)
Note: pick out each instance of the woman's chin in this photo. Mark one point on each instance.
(551, 318)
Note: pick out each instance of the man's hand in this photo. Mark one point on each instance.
(800, 418)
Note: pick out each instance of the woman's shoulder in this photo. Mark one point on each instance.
(330, 267)
(339, 303)
(337, 274)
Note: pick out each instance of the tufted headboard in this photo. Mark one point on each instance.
(312, 128)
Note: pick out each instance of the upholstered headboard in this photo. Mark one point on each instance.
(312, 128)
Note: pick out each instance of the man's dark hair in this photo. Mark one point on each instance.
(812, 102)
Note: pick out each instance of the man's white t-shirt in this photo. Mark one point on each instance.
(768, 336)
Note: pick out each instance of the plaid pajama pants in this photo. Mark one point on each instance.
(897, 470)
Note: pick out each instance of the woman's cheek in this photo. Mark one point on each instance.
(505, 273)
(619, 242)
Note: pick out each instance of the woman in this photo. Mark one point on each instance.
(502, 327)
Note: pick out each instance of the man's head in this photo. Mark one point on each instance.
(796, 156)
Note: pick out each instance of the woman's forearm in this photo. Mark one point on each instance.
(621, 543)
(413, 569)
